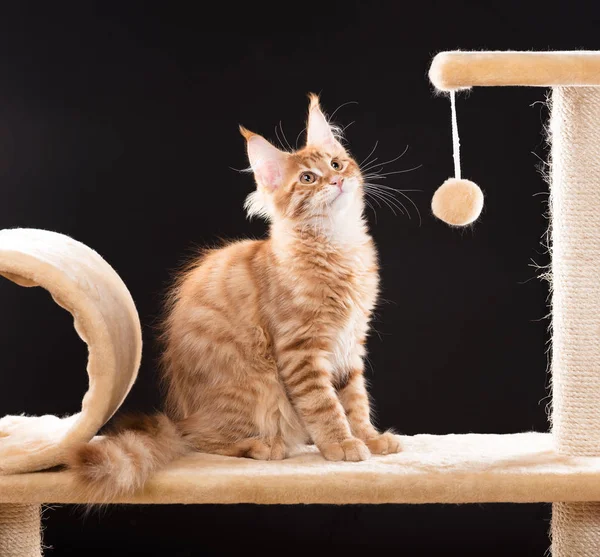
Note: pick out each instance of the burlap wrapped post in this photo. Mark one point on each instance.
(20, 531)
(575, 235)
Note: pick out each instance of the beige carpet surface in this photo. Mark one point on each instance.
(448, 469)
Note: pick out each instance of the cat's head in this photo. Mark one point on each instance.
(317, 181)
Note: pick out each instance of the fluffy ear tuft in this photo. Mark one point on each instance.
(246, 133)
(319, 132)
(314, 101)
(268, 163)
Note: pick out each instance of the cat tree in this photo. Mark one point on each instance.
(562, 467)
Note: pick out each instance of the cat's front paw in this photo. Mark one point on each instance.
(351, 449)
(385, 443)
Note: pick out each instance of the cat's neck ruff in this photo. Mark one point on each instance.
(341, 229)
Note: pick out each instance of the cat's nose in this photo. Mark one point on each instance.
(337, 181)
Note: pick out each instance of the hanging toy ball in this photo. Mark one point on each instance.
(457, 202)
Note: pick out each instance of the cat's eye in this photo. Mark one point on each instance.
(308, 178)
(336, 165)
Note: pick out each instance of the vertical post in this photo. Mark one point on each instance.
(20, 531)
(575, 247)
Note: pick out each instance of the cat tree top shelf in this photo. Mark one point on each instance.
(432, 469)
(451, 71)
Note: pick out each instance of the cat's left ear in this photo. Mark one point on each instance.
(319, 133)
(268, 163)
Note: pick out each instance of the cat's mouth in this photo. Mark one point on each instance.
(337, 196)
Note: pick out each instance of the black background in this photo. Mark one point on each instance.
(118, 126)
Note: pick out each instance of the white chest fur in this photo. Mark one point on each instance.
(347, 351)
(348, 348)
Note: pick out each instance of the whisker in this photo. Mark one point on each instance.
(241, 170)
(368, 203)
(341, 106)
(369, 155)
(391, 198)
(389, 187)
(372, 166)
(284, 137)
(413, 204)
(373, 176)
(347, 126)
(390, 206)
(298, 136)
(278, 139)
(386, 190)
(400, 171)
(386, 195)
(375, 159)
(384, 200)
(374, 199)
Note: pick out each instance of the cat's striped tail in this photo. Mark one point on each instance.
(121, 462)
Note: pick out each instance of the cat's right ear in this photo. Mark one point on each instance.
(268, 163)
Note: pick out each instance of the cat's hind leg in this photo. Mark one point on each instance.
(258, 449)
(238, 436)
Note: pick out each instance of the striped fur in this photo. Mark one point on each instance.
(264, 340)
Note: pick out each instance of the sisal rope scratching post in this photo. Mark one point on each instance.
(575, 233)
(20, 531)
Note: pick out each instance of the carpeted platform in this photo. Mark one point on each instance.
(431, 469)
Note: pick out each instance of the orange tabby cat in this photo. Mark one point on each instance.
(265, 339)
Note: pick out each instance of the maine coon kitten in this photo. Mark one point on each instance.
(265, 339)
